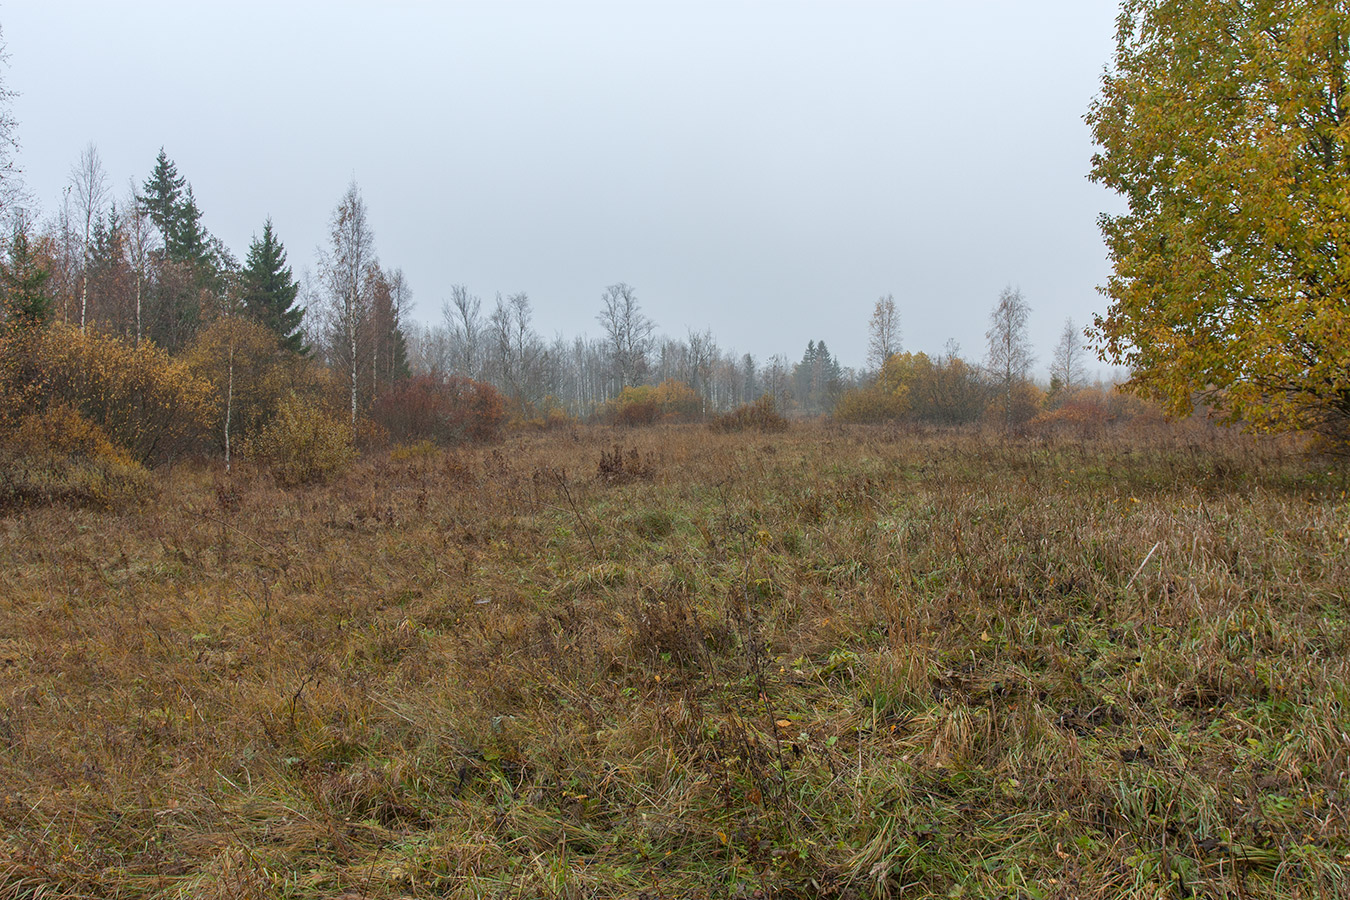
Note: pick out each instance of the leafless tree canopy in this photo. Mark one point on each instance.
(883, 331)
(1066, 366)
(628, 332)
(89, 185)
(463, 319)
(343, 266)
(1010, 351)
(11, 189)
(516, 354)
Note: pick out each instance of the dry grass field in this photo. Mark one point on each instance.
(668, 663)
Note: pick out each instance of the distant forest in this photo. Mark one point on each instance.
(144, 267)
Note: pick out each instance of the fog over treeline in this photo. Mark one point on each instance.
(139, 261)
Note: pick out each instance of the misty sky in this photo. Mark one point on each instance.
(764, 169)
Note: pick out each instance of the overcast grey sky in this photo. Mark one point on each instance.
(765, 169)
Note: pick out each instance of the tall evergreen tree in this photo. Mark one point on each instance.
(817, 379)
(191, 270)
(163, 196)
(270, 290)
(169, 202)
(189, 242)
(24, 297)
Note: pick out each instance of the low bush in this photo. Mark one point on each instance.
(142, 400)
(444, 410)
(868, 406)
(762, 415)
(59, 456)
(305, 445)
(644, 404)
(106, 483)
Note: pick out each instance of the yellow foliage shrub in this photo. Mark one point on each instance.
(143, 401)
(61, 431)
(869, 405)
(59, 456)
(304, 444)
(670, 401)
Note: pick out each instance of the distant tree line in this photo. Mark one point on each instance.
(262, 359)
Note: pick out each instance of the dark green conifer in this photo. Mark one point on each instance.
(270, 289)
(163, 196)
(23, 283)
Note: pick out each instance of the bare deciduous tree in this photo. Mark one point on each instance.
(89, 184)
(463, 317)
(702, 354)
(517, 351)
(140, 244)
(1066, 366)
(883, 333)
(1010, 354)
(11, 189)
(343, 266)
(628, 332)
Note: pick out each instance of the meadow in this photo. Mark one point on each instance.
(666, 663)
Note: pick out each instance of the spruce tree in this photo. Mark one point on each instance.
(189, 242)
(23, 284)
(192, 272)
(163, 196)
(270, 289)
(172, 208)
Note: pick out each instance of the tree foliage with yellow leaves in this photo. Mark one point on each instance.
(1226, 127)
(145, 402)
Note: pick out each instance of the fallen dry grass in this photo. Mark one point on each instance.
(830, 662)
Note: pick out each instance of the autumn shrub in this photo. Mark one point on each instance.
(305, 444)
(110, 483)
(142, 400)
(441, 409)
(250, 374)
(548, 415)
(1097, 406)
(1016, 407)
(914, 387)
(1127, 407)
(58, 456)
(678, 401)
(644, 404)
(762, 415)
(1084, 407)
(869, 405)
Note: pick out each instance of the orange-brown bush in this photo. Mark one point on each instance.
(1085, 407)
(644, 404)
(445, 410)
(762, 415)
(304, 444)
(913, 387)
(143, 401)
(57, 455)
(250, 374)
(1097, 406)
